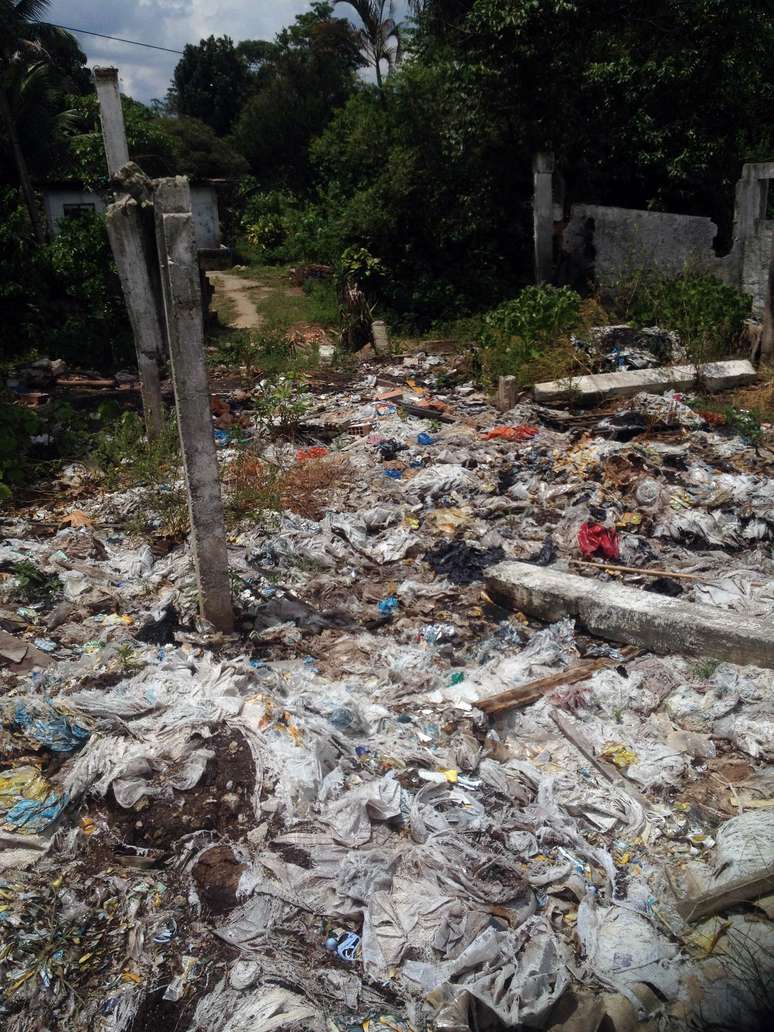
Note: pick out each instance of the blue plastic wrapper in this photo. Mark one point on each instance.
(424, 438)
(56, 732)
(387, 606)
(393, 474)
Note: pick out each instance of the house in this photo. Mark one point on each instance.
(69, 199)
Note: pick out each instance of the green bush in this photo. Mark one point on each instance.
(706, 314)
(17, 425)
(520, 332)
(84, 319)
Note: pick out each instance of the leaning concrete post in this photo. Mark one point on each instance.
(185, 329)
(543, 216)
(111, 116)
(125, 232)
(135, 265)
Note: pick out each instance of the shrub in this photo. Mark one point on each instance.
(17, 425)
(520, 334)
(706, 314)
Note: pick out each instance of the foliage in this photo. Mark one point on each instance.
(84, 318)
(63, 299)
(380, 35)
(614, 73)
(745, 423)
(17, 425)
(517, 333)
(150, 143)
(279, 406)
(210, 83)
(706, 314)
(308, 71)
(33, 586)
(198, 151)
(127, 458)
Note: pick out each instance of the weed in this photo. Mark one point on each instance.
(126, 658)
(127, 459)
(33, 585)
(706, 314)
(255, 488)
(306, 487)
(529, 337)
(279, 406)
(251, 488)
(705, 668)
(745, 423)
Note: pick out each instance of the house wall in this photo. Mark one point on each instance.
(204, 206)
(55, 201)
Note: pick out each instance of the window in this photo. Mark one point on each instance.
(75, 211)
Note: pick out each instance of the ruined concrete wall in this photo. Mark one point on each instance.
(204, 208)
(624, 240)
(606, 245)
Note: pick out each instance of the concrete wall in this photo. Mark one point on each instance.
(56, 201)
(204, 202)
(204, 208)
(606, 244)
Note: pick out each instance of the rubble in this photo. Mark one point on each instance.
(327, 820)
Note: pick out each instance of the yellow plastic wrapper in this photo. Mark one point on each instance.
(619, 754)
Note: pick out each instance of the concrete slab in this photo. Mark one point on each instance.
(620, 613)
(714, 376)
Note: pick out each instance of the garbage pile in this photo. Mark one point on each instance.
(313, 824)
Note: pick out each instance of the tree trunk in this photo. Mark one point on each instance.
(21, 165)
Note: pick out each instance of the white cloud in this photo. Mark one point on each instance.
(167, 23)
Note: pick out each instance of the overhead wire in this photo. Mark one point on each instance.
(118, 39)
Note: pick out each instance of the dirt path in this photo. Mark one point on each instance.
(240, 295)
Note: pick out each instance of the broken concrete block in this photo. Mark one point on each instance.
(714, 376)
(619, 613)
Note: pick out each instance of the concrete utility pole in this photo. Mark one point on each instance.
(543, 216)
(178, 261)
(134, 254)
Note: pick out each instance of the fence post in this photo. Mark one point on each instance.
(178, 261)
(134, 258)
(543, 216)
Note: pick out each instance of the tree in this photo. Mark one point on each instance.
(199, 152)
(150, 145)
(23, 60)
(301, 78)
(380, 36)
(210, 83)
(644, 107)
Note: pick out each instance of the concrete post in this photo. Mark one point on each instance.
(125, 232)
(506, 393)
(543, 216)
(182, 303)
(134, 260)
(111, 116)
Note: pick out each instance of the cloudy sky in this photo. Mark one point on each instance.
(168, 23)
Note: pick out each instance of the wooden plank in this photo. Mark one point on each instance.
(743, 890)
(526, 694)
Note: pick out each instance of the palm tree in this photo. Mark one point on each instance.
(380, 34)
(23, 61)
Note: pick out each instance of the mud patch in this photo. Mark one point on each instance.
(221, 802)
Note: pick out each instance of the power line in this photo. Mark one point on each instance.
(118, 39)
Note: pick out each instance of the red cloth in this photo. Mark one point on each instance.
(303, 454)
(594, 539)
(511, 433)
